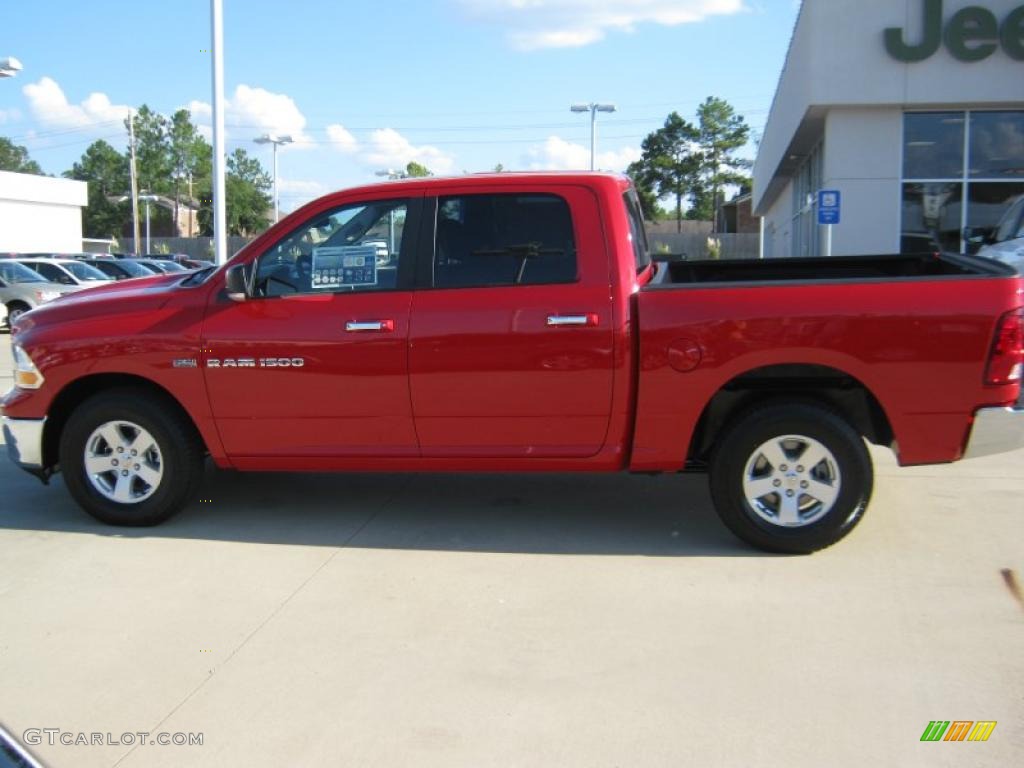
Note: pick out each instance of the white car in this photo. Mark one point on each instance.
(1006, 244)
(69, 272)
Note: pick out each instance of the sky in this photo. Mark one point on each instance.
(457, 85)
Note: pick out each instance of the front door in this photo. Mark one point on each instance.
(511, 345)
(315, 363)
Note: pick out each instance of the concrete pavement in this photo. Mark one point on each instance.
(495, 621)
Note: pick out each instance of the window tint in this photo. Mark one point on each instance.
(997, 145)
(352, 248)
(637, 233)
(494, 240)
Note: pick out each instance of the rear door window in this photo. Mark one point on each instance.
(503, 240)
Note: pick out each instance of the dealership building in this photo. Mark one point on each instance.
(913, 110)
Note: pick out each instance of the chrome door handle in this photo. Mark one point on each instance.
(357, 326)
(558, 321)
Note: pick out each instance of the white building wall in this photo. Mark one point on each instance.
(863, 160)
(40, 214)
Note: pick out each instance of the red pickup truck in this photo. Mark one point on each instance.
(516, 322)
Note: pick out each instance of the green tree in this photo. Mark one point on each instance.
(247, 199)
(106, 171)
(14, 157)
(668, 164)
(415, 170)
(191, 160)
(721, 134)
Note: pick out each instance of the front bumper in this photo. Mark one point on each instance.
(24, 438)
(996, 430)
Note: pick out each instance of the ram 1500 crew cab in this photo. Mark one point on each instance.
(520, 325)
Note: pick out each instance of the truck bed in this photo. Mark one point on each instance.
(885, 267)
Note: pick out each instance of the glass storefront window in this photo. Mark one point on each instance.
(987, 203)
(944, 191)
(997, 145)
(931, 217)
(933, 145)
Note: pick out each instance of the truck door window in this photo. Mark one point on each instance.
(500, 240)
(354, 247)
(637, 232)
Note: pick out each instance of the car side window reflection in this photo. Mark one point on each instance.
(355, 247)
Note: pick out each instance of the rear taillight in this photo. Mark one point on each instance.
(1007, 356)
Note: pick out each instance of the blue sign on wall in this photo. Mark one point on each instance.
(828, 206)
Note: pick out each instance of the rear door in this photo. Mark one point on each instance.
(511, 343)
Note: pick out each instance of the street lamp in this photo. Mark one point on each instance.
(148, 199)
(593, 108)
(273, 138)
(9, 67)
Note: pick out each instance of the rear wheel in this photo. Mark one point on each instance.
(128, 458)
(791, 477)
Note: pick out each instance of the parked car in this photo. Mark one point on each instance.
(21, 289)
(67, 272)
(523, 327)
(120, 269)
(160, 266)
(1006, 242)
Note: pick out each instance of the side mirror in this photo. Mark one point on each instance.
(235, 283)
(977, 235)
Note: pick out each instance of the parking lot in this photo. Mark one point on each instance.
(380, 620)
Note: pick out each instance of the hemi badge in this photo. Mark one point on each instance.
(185, 362)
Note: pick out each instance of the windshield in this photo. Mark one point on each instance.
(1008, 226)
(12, 272)
(85, 272)
(132, 268)
(170, 266)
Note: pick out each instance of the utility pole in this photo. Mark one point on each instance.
(135, 182)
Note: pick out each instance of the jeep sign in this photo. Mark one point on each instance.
(971, 34)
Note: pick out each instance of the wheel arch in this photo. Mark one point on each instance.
(76, 392)
(822, 384)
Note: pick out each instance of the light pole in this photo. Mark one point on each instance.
(220, 219)
(148, 199)
(273, 138)
(593, 108)
(9, 67)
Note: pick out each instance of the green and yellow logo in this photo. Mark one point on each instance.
(958, 730)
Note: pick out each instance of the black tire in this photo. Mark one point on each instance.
(180, 452)
(740, 442)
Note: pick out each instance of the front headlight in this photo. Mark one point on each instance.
(26, 375)
(45, 296)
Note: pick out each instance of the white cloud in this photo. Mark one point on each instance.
(533, 24)
(557, 154)
(341, 139)
(297, 192)
(252, 112)
(49, 105)
(390, 149)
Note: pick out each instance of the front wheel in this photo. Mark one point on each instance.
(129, 458)
(791, 477)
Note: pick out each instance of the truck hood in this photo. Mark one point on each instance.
(116, 298)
